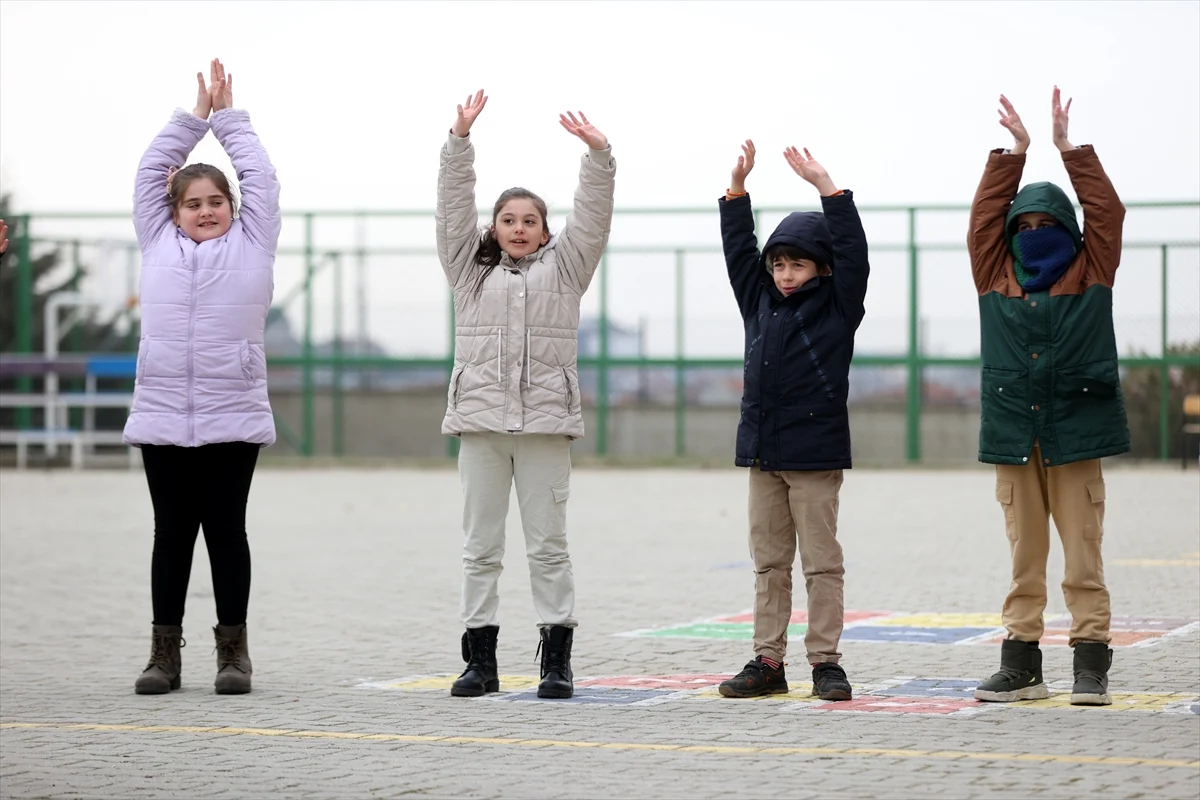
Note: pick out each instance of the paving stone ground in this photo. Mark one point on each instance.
(354, 634)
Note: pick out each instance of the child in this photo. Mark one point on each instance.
(1051, 394)
(514, 395)
(200, 410)
(802, 301)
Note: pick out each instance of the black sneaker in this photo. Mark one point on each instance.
(1020, 675)
(830, 682)
(756, 680)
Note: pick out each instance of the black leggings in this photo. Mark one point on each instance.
(192, 487)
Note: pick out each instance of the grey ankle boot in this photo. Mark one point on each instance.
(233, 659)
(162, 673)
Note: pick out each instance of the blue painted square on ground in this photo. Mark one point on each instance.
(594, 695)
(931, 687)
(886, 633)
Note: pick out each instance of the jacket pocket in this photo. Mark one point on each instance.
(1005, 421)
(247, 362)
(1089, 413)
(1096, 380)
(139, 371)
(452, 391)
(573, 396)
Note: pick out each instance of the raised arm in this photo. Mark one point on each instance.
(170, 148)
(457, 217)
(986, 245)
(737, 236)
(1103, 211)
(257, 183)
(581, 243)
(851, 266)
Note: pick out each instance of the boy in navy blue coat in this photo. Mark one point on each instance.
(802, 302)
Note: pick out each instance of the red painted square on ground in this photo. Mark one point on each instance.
(901, 705)
(1060, 636)
(801, 617)
(676, 683)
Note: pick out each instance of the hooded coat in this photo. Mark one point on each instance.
(798, 348)
(1049, 357)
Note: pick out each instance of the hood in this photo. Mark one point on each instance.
(1046, 198)
(806, 231)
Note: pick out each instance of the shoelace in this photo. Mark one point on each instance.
(553, 662)
(158, 651)
(227, 653)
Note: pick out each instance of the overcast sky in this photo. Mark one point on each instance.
(897, 99)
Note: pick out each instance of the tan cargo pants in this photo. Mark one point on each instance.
(1074, 495)
(786, 508)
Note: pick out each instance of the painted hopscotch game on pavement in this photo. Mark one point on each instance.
(951, 697)
(902, 628)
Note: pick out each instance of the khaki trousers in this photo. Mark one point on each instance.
(786, 508)
(1074, 495)
(540, 465)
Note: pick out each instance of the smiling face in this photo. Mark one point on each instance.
(203, 211)
(792, 273)
(520, 228)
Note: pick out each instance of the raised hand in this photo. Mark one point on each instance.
(220, 86)
(584, 130)
(1060, 120)
(810, 169)
(1010, 120)
(203, 99)
(745, 163)
(3, 237)
(468, 114)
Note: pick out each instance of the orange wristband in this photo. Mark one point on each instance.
(732, 195)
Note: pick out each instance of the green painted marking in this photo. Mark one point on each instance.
(743, 631)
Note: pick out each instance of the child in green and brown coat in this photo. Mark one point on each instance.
(1050, 394)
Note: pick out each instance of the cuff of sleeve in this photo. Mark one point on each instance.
(741, 200)
(189, 120)
(1082, 151)
(601, 158)
(456, 145)
(1003, 156)
(843, 196)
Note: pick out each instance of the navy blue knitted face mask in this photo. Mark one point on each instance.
(1042, 256)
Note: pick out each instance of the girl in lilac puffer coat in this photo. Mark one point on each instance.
(200, 411)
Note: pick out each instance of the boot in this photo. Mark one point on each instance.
(556, 662)
(479, 651)
(1092, 660)
(1020, 675)
(233, 659)
(162, 673)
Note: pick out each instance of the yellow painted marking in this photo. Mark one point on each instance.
(443, 683)
(1157, 562)
(943, 621)
(680, 748)
(800, 693)
(1121, 701)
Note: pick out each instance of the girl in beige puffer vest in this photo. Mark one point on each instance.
(514, 396)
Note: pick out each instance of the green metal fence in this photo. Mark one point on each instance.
(318, 256)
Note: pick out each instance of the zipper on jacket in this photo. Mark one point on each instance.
(191, 369)
(567, 388)
(528, 373)
(499, 356)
